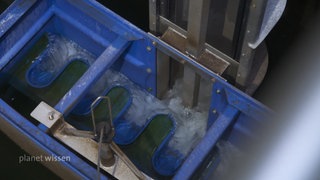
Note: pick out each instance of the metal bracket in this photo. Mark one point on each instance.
(85, 146)
(46, 115)
(210, 60)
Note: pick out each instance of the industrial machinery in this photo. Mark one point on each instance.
(78, 81)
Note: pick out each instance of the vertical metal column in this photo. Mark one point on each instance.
(163, 61)
(153, 16)
(191, 86)
(163, 74)
(196, 37)
(252, 29)
(155, 8)
(197, 26)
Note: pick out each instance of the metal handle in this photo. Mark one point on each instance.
(93, 105)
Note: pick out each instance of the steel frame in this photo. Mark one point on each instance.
(244, 64)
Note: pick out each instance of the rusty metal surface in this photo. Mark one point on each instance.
(175, 39)
(208, 59)
(213, 62)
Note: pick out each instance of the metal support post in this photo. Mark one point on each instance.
(254, 21)
(197, 26)
(196, 37)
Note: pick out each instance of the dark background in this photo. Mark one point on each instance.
(297, 16)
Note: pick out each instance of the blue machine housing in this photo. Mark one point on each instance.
(119, 45)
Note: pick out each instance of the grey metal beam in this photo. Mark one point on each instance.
(153, 16)
(252, 29)
(191, 84)
(163, 74)
(197, 26)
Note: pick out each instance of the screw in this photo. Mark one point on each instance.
(149, 70)
(218, 91)
(182, 61)
(51, 115)
(214, 111)
(154, 43)
(148, 48)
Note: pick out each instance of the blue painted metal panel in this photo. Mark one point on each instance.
(11, 43)
(67, 26)
(140, 72)
(83, 10)
(207, 143)
(13, 14)
(107, 58)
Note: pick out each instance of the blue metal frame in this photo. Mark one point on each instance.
(82, 86)
(119, 45)
(53, 76)
(226, 105)
(25, 21)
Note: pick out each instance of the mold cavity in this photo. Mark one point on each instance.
(45, 70)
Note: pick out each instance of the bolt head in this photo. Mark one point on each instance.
(51, 116)
(149, 70)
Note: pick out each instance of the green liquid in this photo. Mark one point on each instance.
(59, 87)
(142, 149)
(119, 98)
(24, 98)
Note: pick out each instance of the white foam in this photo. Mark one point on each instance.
(59, 52)
(228, 156)
(191, 123)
